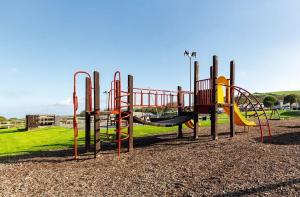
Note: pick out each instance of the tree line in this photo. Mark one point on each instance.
(271, 101)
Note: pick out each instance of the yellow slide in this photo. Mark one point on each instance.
(190, 124)
(239, 119)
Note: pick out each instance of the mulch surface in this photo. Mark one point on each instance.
(166, 166)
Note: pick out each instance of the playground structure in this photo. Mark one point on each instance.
(208, 95)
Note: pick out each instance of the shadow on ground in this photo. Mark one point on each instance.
(292, 138)
(286, 139)
(148, 141)
(261, 189)
(291, 127)
(12, 131)
(167, 140)
(66, 154)
(51, 156)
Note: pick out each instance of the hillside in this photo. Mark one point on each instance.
(279, 94)
(297, 92)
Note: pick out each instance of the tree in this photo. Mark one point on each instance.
(291, 98)
(269, 101)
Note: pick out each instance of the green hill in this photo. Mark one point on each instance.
(297, 92)
(279, 94)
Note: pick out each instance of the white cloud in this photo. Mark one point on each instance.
(66, 102)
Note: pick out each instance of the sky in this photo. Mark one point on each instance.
(44, 42)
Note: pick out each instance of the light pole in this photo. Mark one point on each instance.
(190, 55)
(106, 92)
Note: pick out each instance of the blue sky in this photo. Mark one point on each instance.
(44, 42)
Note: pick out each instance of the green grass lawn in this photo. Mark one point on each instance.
(16, 141)
(283, 114)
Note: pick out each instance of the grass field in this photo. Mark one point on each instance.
(16, 141)
(283, 114)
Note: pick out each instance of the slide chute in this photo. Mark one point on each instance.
(239, 119)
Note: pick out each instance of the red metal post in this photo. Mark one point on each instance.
(119, 115)
(75, 108)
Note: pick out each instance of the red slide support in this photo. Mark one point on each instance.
(249, 102)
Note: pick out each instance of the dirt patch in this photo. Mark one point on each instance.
(166, 166)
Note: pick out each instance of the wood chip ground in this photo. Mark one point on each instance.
(166, 166)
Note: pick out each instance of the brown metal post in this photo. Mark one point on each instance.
(232, 82)
(180, 107)
(210, 75)
(211, 87)
(130, 111)
(196, 116)
(97, 142)
(27, 123)
(214, 106)
(87, 114)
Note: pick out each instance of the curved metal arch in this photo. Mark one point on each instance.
(248, 97)
(75, 108)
